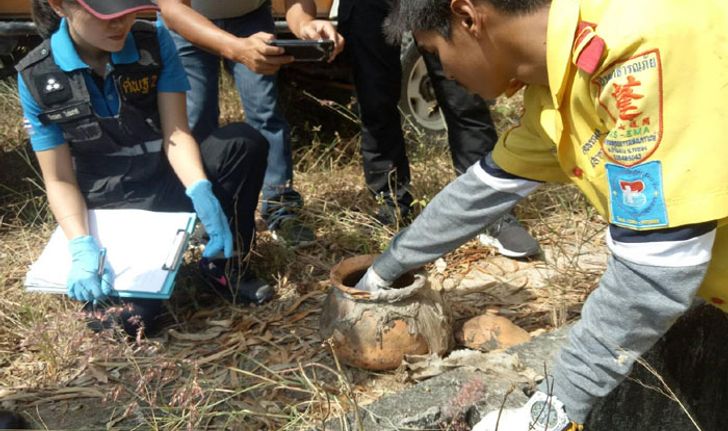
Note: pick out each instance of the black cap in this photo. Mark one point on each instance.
(110, 9)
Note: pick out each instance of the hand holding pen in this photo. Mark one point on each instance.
(90, 278)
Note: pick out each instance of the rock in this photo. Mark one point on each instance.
(427, 366)
(457, 399)
(692, 359)
(489, 332)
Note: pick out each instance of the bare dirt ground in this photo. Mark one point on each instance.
(223, 366)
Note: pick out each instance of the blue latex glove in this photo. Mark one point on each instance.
(211, 215)
(84, 283)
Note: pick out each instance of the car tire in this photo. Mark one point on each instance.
(12, 49)
(417, 102)
(6, 66)
(7, 46)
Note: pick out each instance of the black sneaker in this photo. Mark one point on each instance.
(394, 216)
(291, 231)
(510, 238)
(281, 215)
(131, 314)
(234, 286)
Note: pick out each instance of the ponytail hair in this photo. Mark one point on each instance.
(45, 18)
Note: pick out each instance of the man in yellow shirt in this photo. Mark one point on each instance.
(624, 99)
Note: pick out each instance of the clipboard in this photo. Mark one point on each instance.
(171, 263)
(144, 251)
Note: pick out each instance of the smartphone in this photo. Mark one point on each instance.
(306, 50)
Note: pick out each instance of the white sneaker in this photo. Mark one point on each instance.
(542, 412)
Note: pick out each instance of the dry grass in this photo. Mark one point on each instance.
(220, 366)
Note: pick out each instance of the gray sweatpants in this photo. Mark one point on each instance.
(627, 314)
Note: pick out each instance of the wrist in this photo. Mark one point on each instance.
(388, 268)
(190, 182)
(303, 22)
(230, 47)
(82, 244)
(197, 187)
(81, 239)
(377, 280)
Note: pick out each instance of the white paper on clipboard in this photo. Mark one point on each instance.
(143, 250)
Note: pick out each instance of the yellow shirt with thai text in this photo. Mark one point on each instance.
(635, 114)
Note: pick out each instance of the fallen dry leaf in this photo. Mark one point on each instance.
(209, 334)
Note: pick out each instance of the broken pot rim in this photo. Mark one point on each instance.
(354, 264)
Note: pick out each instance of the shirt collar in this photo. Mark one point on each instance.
(563, 19)
(67, 58)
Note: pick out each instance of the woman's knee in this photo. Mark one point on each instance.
(245, 137)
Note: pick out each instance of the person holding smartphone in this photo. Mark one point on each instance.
(240, 33)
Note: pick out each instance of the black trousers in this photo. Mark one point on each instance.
(234, 159)
(377, 79)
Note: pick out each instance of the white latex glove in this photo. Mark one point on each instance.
(371, 282)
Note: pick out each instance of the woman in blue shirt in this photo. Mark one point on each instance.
(104, 104)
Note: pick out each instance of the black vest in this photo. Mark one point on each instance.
(119, 161)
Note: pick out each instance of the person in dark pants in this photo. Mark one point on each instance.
(377, 79)
(238, 32)
(104, 105)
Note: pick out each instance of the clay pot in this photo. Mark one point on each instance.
(489, 332)
(375, 330)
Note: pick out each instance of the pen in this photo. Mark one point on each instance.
(102, 262)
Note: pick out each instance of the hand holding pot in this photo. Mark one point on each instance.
(371, 281)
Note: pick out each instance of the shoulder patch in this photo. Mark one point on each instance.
(39, 53)
(53, 87)
(588, 48)
(630, 97)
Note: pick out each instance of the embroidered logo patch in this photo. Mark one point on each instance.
(636, 198)
(631, 94)
(52, 85)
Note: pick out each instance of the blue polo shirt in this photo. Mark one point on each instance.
(105, 102)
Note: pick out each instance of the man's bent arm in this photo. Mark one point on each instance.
(193, 26)
(301, 19)
(298, 13)
(456, 214)
(253, 51)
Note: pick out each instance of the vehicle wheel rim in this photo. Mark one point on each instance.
(421, 99)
